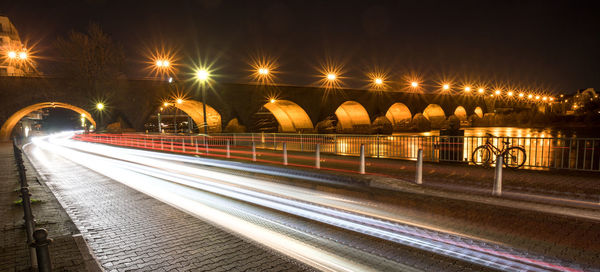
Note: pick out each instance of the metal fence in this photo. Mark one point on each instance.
(541, 153)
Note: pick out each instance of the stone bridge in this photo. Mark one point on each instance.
(238, 106)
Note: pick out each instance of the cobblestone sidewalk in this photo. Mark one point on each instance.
(14, 255)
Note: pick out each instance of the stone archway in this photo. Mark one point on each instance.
(399, 115)
(353, 118)
(194, 109)
(290, 116)
(10, 123)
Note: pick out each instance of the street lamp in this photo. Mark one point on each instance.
(203, 76)
(378, 81)
(467, 89)
(100, 106)
(480, 90)
(23, 55)
(12, 54)
(331, 76)
(414, 84)
(446, 87)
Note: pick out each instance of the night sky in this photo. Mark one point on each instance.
(544, 45)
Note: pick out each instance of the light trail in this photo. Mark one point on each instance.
(136, 168)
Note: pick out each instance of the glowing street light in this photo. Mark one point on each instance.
(446, 87)
(12, 54)
(414, 84)
(179, 101)
(480, 90)
(530, 96)
(544, 98)
(272, 100)
(521, 95)
(100, 106)
(537, 97)
(551, 98)
(163, 63)
(378, 81)
(467, 89)
(263, 71)
(331, 76)
(510, 93)
(202, 75)
(166, 104)
(23, 55)
(497, 92)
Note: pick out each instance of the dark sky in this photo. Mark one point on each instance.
(546, 45)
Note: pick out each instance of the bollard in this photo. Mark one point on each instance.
(253, 151)
(228, 152)
(41, 249)
(318, 156)
(498, 176)
(362, 159)
(172, 144)
(284, 147)
(162, 146)
(183, 144)
(196, 140)
(152, 142)
(419, 177)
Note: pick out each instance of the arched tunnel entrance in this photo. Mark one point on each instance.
(194, 109)
(9, 124)
(289, 115)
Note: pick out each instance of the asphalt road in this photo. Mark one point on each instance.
(320, 229)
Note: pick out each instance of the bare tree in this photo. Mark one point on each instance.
(92, 60)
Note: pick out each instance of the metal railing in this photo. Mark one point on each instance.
(541, 153)
(37, 239)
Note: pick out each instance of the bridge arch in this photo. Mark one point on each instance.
(290, 116)
(479, 112)
(352, 117)
(194, 109)
(398, 114)
(461, 113)
(435, 114)
(10, 123)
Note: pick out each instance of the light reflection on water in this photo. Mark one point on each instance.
(544, 148)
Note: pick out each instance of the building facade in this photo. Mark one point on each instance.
(15, 59)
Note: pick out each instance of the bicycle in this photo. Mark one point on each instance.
(513, 156)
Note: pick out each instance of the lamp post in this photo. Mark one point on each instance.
(202, 75)
(100, 108)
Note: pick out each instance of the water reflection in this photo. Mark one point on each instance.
(544, 148)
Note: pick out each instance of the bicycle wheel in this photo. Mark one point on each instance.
(514, 157)
(481, 156)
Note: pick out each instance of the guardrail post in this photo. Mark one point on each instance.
(318, 156)
(162, 146)
(498, 176)
(362, 159)
(335, 144)
(253, 151)
(41, 249)
(196, 141)
(152, 141)
(419, 175)
(183, 144)
(285, 159)
(172, 140)
(228, 151)
(206, 144)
